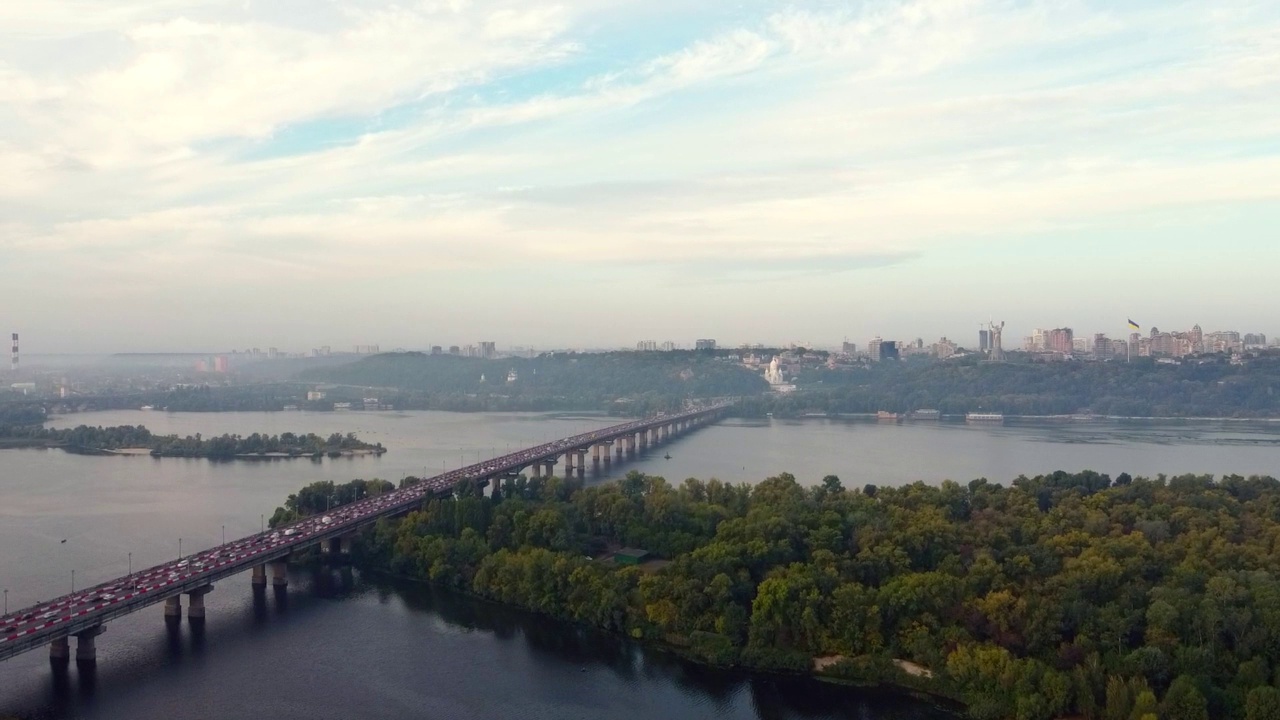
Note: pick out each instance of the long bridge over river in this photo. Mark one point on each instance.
(84, 613)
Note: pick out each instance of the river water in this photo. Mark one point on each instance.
(341, 646)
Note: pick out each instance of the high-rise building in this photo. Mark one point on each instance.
(888, 350)
(873, 349)
(13, 362)
(1039, 340)
(454, 350)
(488, 349)
(668, 346)
(220, 364)
(1060, 340)
(1197, 338)
(647, 345)
(705, 344)
(944, 349)
(1255, 340)
(1101, 346)
(984, 340)
(437, 350)
(848, 348)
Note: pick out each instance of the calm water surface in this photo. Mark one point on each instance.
(340, 646)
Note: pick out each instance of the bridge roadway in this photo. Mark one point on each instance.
(82, 613)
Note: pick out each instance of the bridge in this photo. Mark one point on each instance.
(84, 613)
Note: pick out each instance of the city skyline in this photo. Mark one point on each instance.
(1035, 339)
(196, 172)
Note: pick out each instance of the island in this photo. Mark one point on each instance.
(1060, 595)
(138, 440)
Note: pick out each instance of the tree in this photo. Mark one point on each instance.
(1184, 701)
(1262, 703)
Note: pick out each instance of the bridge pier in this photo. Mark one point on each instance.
(195, 603)
(344, 545)
(568, 464)
(60, 651)
(280, 574)
(537, 470)
(582, 462)
(173, 607)
(87, 647)
(549, 468)
(619, 447)
(259, 578)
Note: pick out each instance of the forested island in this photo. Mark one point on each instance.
(1058, 595)
(136, 439)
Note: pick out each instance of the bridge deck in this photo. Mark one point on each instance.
(86, 609)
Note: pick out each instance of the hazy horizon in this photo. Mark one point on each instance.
(196, 175)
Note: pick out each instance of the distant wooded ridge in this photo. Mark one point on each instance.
(636, 383)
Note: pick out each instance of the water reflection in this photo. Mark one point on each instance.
(339, 644)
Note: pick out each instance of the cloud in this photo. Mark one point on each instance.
(313, 141)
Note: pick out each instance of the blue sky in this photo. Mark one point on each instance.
(294, 173)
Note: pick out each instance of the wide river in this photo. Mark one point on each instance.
(339, 645)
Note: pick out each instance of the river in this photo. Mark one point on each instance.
(341, 646)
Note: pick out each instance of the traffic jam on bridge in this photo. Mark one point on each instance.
(159, 582)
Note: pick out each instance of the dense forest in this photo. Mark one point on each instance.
(1061, 594)
(1141, 388)
(105, 439)
(587, 379)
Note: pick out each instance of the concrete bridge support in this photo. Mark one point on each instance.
(619, 447)
(344, 544)
(60, 651)
(568, 464)
(259, 578)
(173, 607)
(549, 468)
(582, 462)
(195, 603)
(280, 574)
(595, 455)
(537, 470)
(86, 646)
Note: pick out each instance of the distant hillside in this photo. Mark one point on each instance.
(1210, 387)
(591, 378)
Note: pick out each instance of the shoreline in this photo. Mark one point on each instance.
(910, 671)
(36, 444)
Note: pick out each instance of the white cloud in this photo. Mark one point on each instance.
(814, 131)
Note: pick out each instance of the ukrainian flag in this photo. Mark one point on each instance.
(1134, 325)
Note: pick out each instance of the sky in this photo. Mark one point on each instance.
(187, 175)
